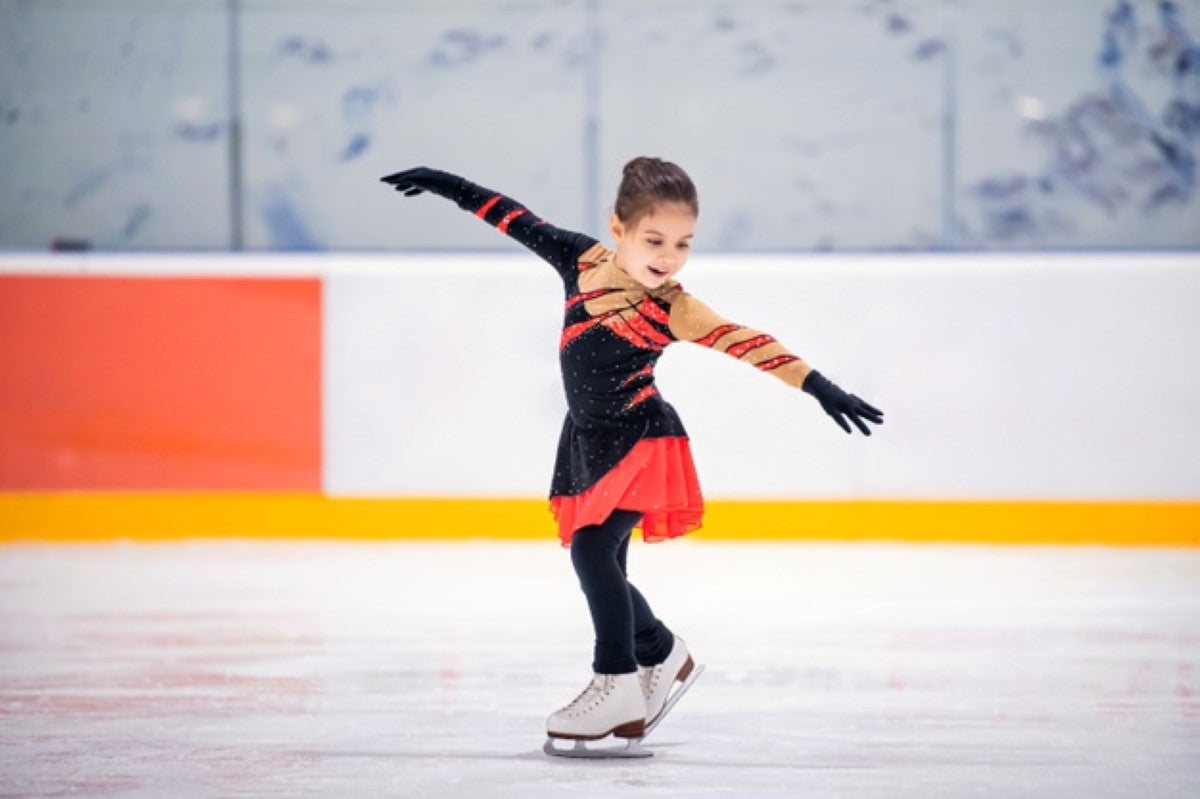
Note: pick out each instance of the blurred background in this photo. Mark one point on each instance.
(816, 125)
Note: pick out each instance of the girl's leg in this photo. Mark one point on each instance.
(627, 632)
(594, 554)
(652, 639)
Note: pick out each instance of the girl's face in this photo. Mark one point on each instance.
(654, 248)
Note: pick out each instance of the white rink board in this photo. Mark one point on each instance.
(441, 377)
(1039, 376)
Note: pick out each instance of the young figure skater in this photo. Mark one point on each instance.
(623, 458)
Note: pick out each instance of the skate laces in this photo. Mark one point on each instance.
(649, 676)
(600, 684)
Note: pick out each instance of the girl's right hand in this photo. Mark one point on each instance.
(412, 182)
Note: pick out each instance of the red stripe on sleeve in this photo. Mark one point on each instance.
(487, 206)
(711, 338)
(743, 347)
(776, 362)
(502, 226)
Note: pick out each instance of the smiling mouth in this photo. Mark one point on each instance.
(657, 272)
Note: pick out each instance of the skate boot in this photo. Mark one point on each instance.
(659, 683)
(612, 704)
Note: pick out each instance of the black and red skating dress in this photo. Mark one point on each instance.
(622, 445)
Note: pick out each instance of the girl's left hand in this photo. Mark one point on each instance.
(840, 405)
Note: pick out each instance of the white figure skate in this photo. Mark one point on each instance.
(665, 684)
(660, 688)
(611, 705)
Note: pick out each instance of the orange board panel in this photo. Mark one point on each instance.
(136, 383)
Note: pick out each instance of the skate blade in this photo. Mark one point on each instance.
(673, 699)
(580, 749)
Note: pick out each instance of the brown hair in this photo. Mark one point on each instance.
(646, 182)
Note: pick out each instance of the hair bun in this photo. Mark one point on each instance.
(639, 163)
(647, 181)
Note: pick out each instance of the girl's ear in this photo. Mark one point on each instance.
(616, 227)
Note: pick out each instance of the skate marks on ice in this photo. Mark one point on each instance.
(873, 671)
(604, 748)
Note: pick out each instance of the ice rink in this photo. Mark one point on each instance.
(262, 669)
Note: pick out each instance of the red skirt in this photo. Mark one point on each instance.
(657, 477)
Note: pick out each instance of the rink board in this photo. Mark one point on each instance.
(161, 517)
(160, 383)
(1042, 397)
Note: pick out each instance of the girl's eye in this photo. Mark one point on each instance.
(653, 242)
(683, 245)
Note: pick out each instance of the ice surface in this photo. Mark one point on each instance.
(426, 670)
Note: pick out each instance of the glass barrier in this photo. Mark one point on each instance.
(809, 126)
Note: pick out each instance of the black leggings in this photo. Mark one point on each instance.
(627, 634)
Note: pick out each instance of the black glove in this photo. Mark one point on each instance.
(418, 180)
(837, 402)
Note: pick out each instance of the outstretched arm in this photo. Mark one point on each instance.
(692, 320)
(559, 247)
